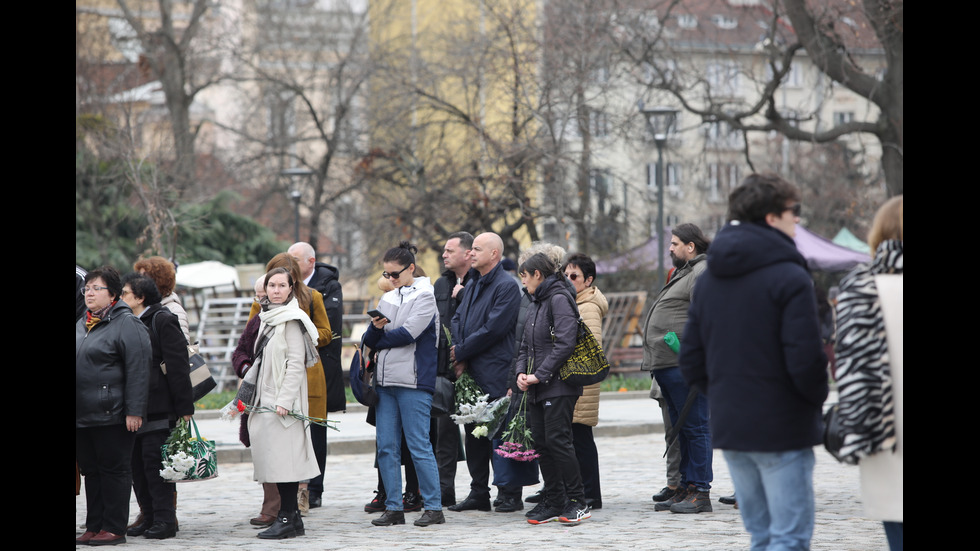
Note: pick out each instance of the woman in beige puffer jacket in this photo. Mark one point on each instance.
(592, 306)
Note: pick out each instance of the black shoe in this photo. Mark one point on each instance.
(536, 498)
(429, 518)
(535, 510)
(664, 494)
(389, 518)
(509, 505)
(139, 528)
(695, 502)
(284, 527)
(316, 500)
(161, 531)
(593, 503)
(472, 503)
(377, 504)
(727, 500)
(678, 496)
(575, 513)
(411, 501)
(544, 515)
(298, 522)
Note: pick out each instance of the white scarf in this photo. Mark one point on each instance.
(275, 352)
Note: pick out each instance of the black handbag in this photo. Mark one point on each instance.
(833, 432)
(361, 384)
(588, 364)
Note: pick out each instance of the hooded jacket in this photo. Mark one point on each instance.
(407, 354)
(326, 280)
(752, 343)
(112, 362)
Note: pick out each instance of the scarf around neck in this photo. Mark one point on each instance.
(864, 378)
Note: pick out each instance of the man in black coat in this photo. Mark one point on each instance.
(752, 345)
(448, 290)
(325, 279)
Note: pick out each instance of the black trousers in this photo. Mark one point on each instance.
(155, 496)
(318, 437)
(551, 427)
(478, 452)
(104, 456)
(588, 460)
(445, 443)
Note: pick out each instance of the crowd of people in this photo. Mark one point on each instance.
(732, 342)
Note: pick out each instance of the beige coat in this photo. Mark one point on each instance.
(883, 474)
(592, 305)
(281, 447)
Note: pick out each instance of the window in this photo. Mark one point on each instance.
(726, 22)
(720, 135)
(672, 173)
(843, 117)
(687, 21)
(598, 124)
(282, 118)
(722, 178)
(723, 78)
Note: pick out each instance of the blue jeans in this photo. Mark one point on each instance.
(695, 436)
(406, 410)
(775, 497)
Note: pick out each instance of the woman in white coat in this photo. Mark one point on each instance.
(282, 451)
(870, 359)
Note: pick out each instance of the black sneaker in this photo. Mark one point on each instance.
(377, 504)
(575, 513)
(411, 501)
(535, 510)
(545, 515)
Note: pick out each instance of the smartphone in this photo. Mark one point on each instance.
(377, 314)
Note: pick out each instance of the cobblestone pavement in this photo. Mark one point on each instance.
(214, 514)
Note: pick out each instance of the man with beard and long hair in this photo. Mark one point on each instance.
(665, 322)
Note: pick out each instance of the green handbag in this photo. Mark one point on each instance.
(196, 449)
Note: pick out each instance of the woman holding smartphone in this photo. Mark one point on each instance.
(404, 336)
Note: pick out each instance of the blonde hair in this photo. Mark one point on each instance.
(888, 223)
(554, 253)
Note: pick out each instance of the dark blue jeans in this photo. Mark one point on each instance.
(695, 437)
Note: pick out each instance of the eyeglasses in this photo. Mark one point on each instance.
(797, 209)
(94, 289)
(394, 275)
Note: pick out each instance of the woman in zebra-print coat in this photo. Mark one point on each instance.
(870, 359)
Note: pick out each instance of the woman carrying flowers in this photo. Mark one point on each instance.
(170, 398)
(550, 331)
(282, 451)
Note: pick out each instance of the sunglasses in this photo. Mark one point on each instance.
(394, 275)
(797, 209)
(572, 277)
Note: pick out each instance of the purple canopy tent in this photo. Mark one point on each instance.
(820, 254)
(825, 255)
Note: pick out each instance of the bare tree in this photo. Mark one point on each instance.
(855, 46)
(303, 73)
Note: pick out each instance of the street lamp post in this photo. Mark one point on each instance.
(659, 121)
(294, 194)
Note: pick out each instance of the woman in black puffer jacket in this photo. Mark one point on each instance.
(550, 331)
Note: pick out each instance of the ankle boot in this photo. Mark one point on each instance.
(284, 527)
(298, 522)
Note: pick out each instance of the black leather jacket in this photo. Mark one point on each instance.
(111, 369)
